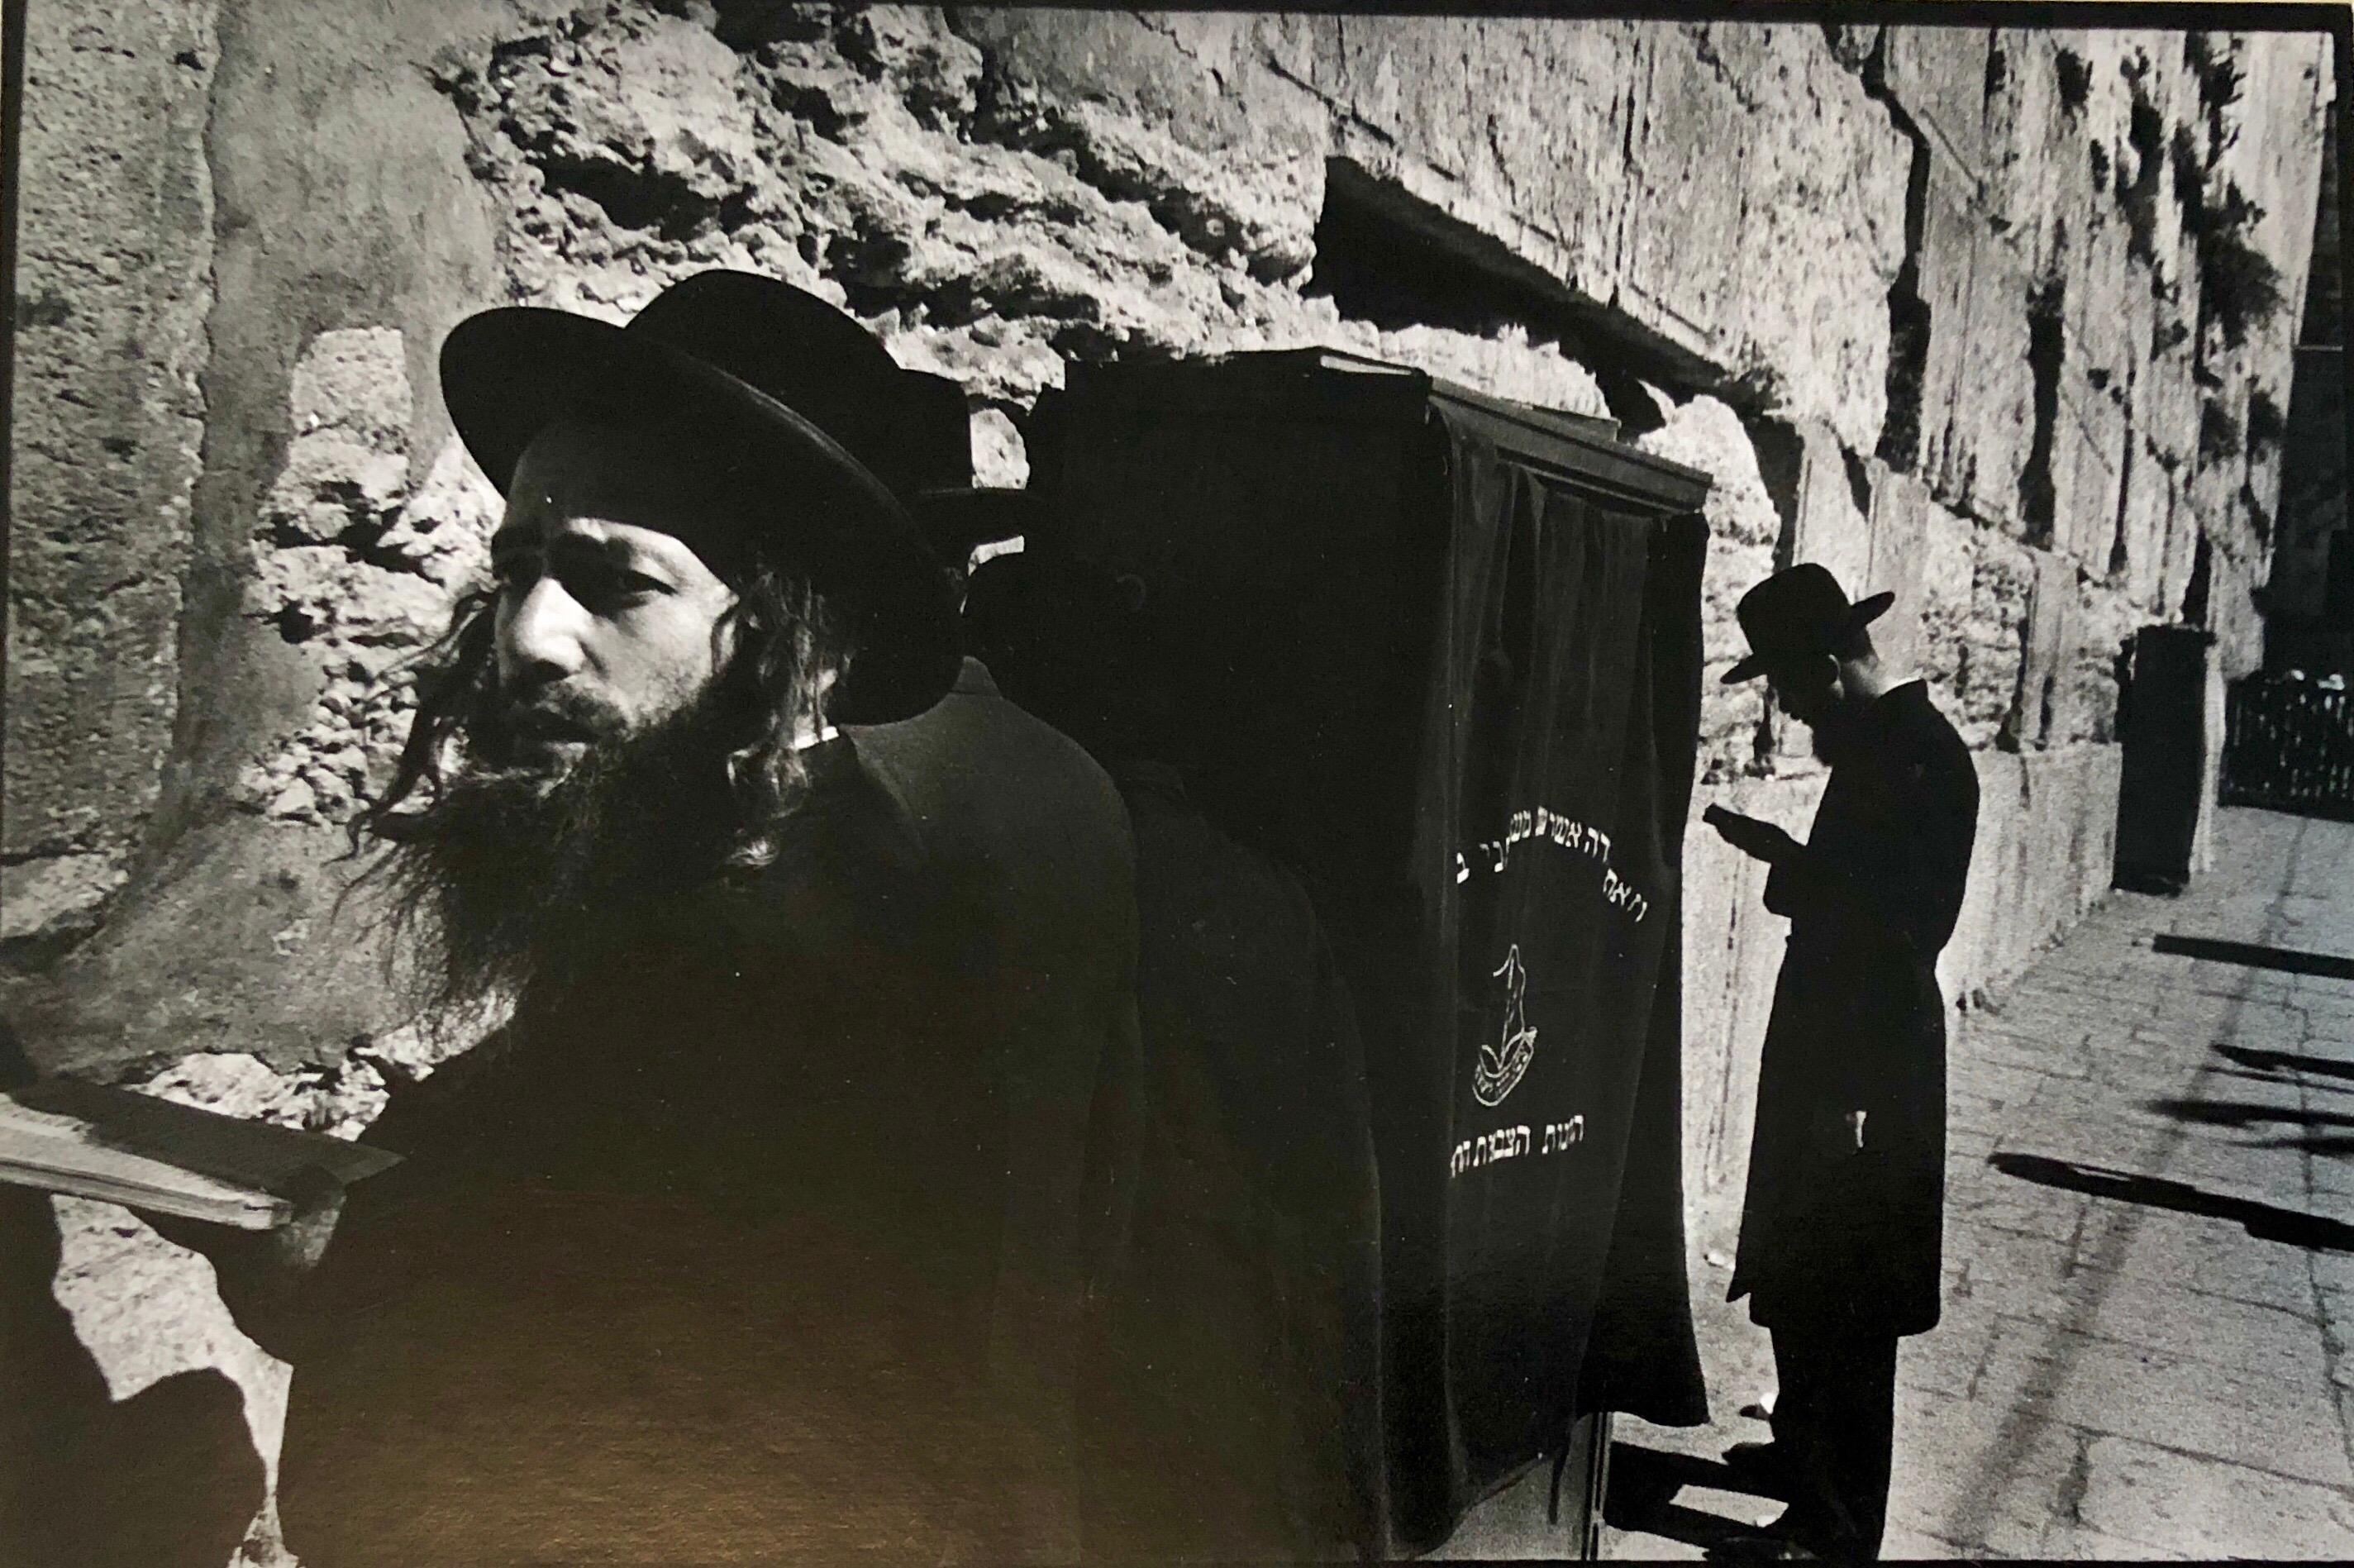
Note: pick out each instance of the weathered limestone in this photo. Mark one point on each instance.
(1972, 316)
(115, 227)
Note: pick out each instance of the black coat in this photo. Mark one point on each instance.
(767, 1239)
(1236, 1413)
(1831, 1233)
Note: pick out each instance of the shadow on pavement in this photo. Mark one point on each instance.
(2322, 1143)
(2285, 1061)
(2253, 956)
(2244, 1113)
(2265, 1222)
(1643, 1486)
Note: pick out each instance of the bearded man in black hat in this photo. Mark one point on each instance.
(763, 1232)
(1841, 1234)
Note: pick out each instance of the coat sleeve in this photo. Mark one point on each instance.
(1914, 891)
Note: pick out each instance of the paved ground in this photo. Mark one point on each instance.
(2150, 1249)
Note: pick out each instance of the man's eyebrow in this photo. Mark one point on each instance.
(620, 552)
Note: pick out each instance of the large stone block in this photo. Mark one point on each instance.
(1939, 75)
(1896, 563)
(355, 571)
(2231, 612)
(2046, 642)
(2047, 826)
(1730, 189)
(1945, 256)
(1182, 111)
(1993, 636)
(2089, 664)
(2036, 167)
(2166, 395)
(1823, 227)
(1834, 528)
(2213, 482)
(2270, 146)
(1686, 262)
(2146, 522)
(1948, 565)
(1745, 528)
(2109, 311)
(1462, 111)
(1732, 954)
(2178, 557)
(113, 284)
(1975, 447)
(2090, 439)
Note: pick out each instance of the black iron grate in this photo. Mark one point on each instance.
(2288, 745)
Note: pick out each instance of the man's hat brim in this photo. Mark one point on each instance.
(508, 374)
(1862, 613)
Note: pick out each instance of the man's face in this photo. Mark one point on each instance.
(1810, 693)
(605, 616)
(1805, 691)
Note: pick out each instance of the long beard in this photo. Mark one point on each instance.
(1836, 732)
(519, 871)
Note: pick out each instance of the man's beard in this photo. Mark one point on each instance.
(1834, 731)
(528, 863)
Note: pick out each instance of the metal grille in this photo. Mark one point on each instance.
(2288, 745)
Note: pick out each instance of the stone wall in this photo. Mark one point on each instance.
(115, 220)
(1982, 317)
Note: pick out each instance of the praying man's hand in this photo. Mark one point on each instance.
(1757, 838)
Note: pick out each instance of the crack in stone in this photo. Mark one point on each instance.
(2077, 1481)
(1908, 310)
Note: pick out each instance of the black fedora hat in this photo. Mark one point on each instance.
(1800, 613)
(801, 401)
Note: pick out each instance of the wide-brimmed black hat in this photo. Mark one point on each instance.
(803, 401)
(1801, 613)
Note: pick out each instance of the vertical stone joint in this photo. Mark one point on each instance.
(1908, 310)
(2046, 347)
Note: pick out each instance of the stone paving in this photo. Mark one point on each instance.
(2149, 1251)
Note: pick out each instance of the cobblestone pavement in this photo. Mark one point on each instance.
(2149, 1249)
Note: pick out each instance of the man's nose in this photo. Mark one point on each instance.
(539, 636)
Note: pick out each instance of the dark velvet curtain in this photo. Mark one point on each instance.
(1457, 696)
(1532, 1176)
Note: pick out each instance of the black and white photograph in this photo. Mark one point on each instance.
(813, 783)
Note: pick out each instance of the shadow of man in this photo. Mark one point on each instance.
(168, 1476)
(2265, 1222)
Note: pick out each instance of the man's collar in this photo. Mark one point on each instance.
(1909, 693)
(973, 679)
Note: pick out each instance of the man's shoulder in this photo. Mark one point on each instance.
(1942, 742)
(1926, 754)
(976, 740)
(1917, 725)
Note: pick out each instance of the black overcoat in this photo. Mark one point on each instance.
(1831, 1232)
(765, 1238)
(1235, 1412)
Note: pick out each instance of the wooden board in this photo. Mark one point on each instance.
(92, 1141)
